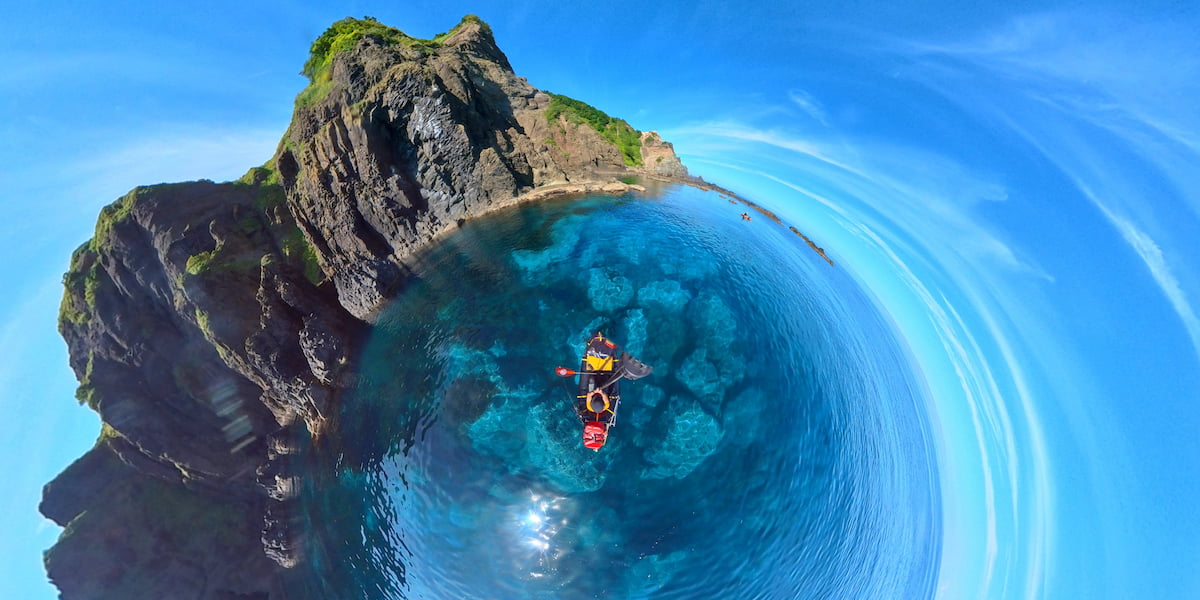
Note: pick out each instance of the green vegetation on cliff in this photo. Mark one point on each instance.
(79, 283)
(265, 174)
(114, 213)
(86, 279)
(82, 279)
(86, 392)
(292, 243)
(296, 248)
(345, 35)
(627, 139)
(107, 432)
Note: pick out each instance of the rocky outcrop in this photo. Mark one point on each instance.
(659, 157)
(204, 336)
(408, 141)
(213, 326)
(132, 536)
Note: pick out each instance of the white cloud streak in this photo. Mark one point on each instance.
(1152, 256)
(182, 154)
(1091, 93)
(809, 105)
(1107, 106)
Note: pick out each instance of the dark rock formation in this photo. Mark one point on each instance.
(132, 536)
(408, 141)
(199, 339)
(213, 326)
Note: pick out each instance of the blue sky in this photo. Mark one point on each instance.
(1015, 183)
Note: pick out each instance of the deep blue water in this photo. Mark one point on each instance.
(778, 450)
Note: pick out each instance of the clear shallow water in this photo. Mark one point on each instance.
(778, 450)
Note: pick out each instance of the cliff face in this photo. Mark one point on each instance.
(212, 325)
(204, 345)
(407, 141)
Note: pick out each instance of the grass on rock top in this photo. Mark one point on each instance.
(345, 34)
(620, 133)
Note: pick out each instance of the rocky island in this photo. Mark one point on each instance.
(213, 325)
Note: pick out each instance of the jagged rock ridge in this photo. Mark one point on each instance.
(213, 326)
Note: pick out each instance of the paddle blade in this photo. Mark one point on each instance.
(563, 372)
(634, 368)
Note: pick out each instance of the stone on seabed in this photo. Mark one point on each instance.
(691, 438)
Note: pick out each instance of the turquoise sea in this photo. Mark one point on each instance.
(1009, 191)
(778, 449)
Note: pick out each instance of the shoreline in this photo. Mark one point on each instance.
(613, 186)
(700, 183)
(538, 194)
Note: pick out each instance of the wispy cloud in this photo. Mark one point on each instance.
(1007, 475)
(1012, 468)
(809, 105)
(103, 167)
(1152, 256)
(1108, 102)
(59, 200)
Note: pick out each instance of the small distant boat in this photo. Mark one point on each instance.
(599, 396)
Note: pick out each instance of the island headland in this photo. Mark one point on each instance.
(214, 326)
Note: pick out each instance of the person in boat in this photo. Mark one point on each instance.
(599, 394)
(745, 216)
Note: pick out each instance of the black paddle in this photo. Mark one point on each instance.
(631, 368)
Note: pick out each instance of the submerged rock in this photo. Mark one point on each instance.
(652, 572)
(715, 323)
(702, 377)
(467, 398)
(688, 272)
(743, 415)
(633, 331)
(666, 296)
(649, 395)
(609, 291)
(691, 437)
(539, 438)
(564, 236)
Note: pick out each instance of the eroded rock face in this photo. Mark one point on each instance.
(659, 156)
(407, 143)
(194, 332)
(214, 327)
